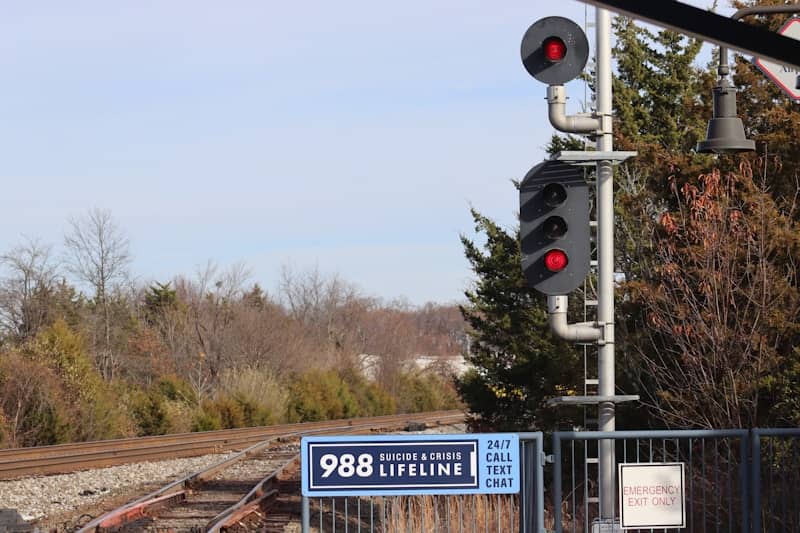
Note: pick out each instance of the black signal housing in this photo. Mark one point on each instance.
(554, 50)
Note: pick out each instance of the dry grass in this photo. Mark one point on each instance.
(419, 514)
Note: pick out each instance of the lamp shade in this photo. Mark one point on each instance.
(725, 132)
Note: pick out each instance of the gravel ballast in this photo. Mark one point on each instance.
(36, 498)
(67, 500)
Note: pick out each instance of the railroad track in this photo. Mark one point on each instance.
(209, 500)
(246, 484)
(63, 458)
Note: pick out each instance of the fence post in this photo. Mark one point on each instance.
(526, 463)
(744, 475)
(557, 481)
(539, 470)
(306, 515)
(755, 479)
(531, 495)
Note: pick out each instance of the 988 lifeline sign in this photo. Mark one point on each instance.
(409, 465)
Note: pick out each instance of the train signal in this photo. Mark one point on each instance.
(554, 50)
(554, 227)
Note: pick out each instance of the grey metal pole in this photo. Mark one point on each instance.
(537, 516)
(755, 480)
(306, 515)
(605, 262)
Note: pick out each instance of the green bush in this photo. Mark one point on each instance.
(203, 420)
(148, 411)
(320, 395)
(229, 411)
(32, 409)
(226, 412)
(180, 416)
(254, 414)
(418, 392)
(176, 389)
(371, 398)
(86, 396)
(328, 395)
(258, 392)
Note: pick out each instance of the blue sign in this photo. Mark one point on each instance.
(485, 463)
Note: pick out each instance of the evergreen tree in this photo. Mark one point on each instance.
(516, 363)
(675, 318)
(158, 299)
(662, 103)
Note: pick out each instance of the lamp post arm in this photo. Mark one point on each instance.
(723, 69)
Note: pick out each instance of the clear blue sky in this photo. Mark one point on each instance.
(352, 136)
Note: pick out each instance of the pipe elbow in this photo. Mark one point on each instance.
(557, 318)
(557, 113)
(580, 332)
(571, 123)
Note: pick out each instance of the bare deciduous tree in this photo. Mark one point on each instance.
(98, 254)
(721, 306)
(25, 292)
(203, 337)
(28, 394)
(329, 309)
(392, 338)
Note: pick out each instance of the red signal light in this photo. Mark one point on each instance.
(554, 49)
(555, 260)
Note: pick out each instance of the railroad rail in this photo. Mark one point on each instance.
(230, 491)
(208, 500)
(63, 458)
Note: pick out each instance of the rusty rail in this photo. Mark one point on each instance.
(263, 491)
(19, 462)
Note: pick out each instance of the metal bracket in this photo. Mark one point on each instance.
(587, 158)
(608, 333)
(591, 400)
(606, 124)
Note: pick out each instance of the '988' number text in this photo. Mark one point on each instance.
(347, 465)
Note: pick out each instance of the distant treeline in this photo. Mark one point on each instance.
(88, 354)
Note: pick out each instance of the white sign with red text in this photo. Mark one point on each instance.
(651, 495)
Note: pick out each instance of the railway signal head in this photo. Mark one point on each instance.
(554, 50)
(554, 227)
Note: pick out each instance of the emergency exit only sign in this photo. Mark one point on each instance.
(651, 495)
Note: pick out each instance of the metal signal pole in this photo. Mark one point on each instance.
(554, 244)
(605, 263)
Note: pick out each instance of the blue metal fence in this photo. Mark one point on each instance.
(470, 513)
(736, 481)
(531, 495)
(744, 481)
(775, 477)
(715, 467)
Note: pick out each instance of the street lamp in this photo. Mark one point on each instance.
(725, 132)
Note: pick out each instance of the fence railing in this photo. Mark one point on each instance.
(775, 477)
(716, 470)
(735, 481)
(472, 513)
